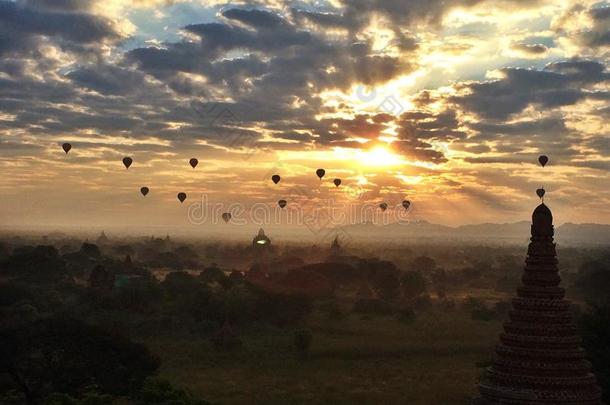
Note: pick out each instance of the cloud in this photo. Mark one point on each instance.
(108, 79)
(586, 27)
(530, 49)
(273, 71)
(256, 18)
(559, 84)
(22, 22)
(274, 79)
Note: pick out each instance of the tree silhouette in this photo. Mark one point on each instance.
(66, 355)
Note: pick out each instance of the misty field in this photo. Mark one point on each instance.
(435, 359)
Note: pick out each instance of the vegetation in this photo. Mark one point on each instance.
(595, 331)
(412, 327)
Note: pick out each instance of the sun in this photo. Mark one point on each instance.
(378, 156)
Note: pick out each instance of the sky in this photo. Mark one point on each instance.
(445, 103)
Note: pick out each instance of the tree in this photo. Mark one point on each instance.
(139, 294)
(67, 355)
(440, 280)
(212, 274)
(302, 342)
(168, 259)
(423, 264)
(413, 284)
(384, 277)
(91, 250)
(124, 250)
(593, 281)
(281, 309)
(337, 273)
(160, 392)
(595, 331)
(36, 264)
(179, 283)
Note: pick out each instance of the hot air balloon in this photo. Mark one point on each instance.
(282, 203)
(406, 204)
(127, 161)
(540, 192)
(66, 147)
(543, 160)
(320, 173)
(276, 178)
(226, 216)
(383, 206)
(181, 197)
(337, 182)
(194, 162)
(144, 191)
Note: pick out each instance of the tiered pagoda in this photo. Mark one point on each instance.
(539, 360)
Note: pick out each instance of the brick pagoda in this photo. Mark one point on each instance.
(539, 360)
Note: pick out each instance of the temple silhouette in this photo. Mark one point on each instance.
(539, 359)
(261, 241)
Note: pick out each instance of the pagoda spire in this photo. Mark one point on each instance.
(538, 359)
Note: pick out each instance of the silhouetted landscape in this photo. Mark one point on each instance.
(153, 320)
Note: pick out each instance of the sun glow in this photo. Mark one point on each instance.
(377, 156)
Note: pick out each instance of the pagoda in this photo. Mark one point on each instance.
(538, 359)
(261, 241)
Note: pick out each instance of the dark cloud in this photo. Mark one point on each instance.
(406, 12)
(326, 20)
(256, 18)
(58, 5)
(361, 125)
(22, 22)
(594, 36)
(10, 149)
(276, 76)
(108, 79)
(418, 150)
(530, 49)
(593, 164)
(559, 84)
(269, 71)
(443, 126)
(599, 34)
(417, 129)
(523, 129)
(601, 143)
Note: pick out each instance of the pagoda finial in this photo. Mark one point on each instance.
(542, 222)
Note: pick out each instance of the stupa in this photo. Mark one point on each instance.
(261, 240)
(538, 359)
(102, 238)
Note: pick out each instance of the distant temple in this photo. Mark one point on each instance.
(335, 247)
(261, 240)
(538, 359)
(102, 238)
(337, 254)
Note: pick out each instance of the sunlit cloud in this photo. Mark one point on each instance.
(449, 102)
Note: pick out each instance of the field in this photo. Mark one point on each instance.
(436, 359)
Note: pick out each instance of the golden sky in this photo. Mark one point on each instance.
(445, 103)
